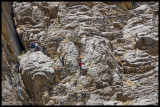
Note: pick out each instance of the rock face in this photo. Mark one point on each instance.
(98, 60)
(38, 75)
(137, 61)
(10, 31)
(117, 43)
(12, 91)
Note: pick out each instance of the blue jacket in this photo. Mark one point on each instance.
(37, 48)
(32, 45)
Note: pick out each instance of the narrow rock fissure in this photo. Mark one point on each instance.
(16, 38)
(22, 48)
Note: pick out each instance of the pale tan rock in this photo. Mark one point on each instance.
(37, 81)
(87, 32)
(125, 5)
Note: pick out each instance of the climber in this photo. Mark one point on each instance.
(62, 60)
(32, 45)
(36, 43)
(17, 64)
(80, 65)
(37, 48)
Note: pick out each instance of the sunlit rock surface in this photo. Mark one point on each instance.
(117, 43)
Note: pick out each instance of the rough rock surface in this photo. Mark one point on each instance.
(38, 75)
(117, 43)
(12, 92)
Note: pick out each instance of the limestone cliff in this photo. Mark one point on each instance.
(117, 43)
(12, 91)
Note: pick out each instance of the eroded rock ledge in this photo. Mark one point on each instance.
(117, 43)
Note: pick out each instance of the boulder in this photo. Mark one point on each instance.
(37, 73)
(98, 60)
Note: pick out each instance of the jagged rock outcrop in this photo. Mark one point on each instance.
(137, 62)
(38, 75)
(143, 29)
(98, 60)
(117, 43)
(136, 52)
(30, 23)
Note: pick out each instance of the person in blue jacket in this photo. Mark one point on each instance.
(62, 60)
(37, 48)
(32, 45)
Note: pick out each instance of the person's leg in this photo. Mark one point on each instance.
(63, 63)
